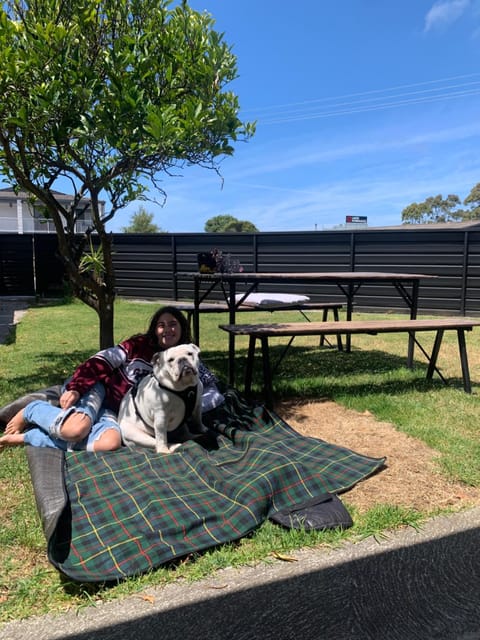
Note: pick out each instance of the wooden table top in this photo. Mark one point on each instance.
(335, 276)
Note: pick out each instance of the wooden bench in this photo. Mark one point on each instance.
(263, 332)
(302, 307)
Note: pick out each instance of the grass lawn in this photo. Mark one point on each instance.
(52, 339)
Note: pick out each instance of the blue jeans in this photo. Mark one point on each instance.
(47, 420)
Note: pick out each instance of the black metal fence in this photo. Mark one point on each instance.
(146, 264)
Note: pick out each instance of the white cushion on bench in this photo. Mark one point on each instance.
(272, 299)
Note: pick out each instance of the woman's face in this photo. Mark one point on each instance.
(168, 331)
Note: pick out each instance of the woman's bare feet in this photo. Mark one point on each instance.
(17, 424)
(12, 440)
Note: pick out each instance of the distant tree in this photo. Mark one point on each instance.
(141, 222)
(473, 199)
(218, 223)
(433, 209)
(241, 225)
(228, 223)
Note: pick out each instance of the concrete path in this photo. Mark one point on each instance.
(11, 311)
(422, 585)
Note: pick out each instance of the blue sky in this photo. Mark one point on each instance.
(362, 107)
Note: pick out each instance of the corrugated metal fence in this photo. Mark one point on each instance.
(146, 264)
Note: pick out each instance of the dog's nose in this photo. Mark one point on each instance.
(186, 367)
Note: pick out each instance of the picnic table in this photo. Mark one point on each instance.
(347, 282)
(262, 333)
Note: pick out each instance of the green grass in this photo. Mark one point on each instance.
(52, 339)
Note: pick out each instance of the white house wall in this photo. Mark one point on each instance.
(16, 217)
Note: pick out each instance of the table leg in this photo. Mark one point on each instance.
(350, 294)
(464, 360)
(196, 311)
(413, 315)
(231, 337)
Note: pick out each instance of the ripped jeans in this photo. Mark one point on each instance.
(46, 420)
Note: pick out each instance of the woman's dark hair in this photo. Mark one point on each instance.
(178, 315)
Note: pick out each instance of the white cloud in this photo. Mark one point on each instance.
(444, 12)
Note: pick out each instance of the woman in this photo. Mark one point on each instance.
(89, 404)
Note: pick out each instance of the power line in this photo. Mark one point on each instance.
(362, 93)
(364, 109)
(366, 101)
(399, 95)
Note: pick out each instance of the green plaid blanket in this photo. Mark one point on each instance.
(111, 515)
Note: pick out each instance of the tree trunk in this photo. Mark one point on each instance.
(105, 313)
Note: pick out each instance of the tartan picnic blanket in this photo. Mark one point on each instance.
(110, 515)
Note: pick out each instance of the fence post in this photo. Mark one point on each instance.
(34, 267)
(173, 246)
(463, 291)
(352, 251)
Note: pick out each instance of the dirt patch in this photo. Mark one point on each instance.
(411, 477)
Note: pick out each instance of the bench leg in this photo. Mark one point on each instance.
(231, 359)
(324, 319)
(339, 337)
(190, 325)
(267, 375)
(411, 349)
(336, 317)
(464, 360)
(433, 358)
(249, 366)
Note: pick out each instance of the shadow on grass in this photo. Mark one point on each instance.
(46, 370)
(10, 335)
(321, 372)
(8, 327)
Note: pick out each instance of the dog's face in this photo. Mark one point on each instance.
(177, 365)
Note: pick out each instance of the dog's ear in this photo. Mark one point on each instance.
(157, 357)
(194, 347)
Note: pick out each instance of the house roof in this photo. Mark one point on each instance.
(465, 224)
(8, 193)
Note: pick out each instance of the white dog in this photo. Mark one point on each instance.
(164, 400)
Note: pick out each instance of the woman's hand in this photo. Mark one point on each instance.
(68, 399)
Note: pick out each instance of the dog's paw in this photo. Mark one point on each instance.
(168, 449)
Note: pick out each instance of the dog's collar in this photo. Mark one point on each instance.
(188, 395)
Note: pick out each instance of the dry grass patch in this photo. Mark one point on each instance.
(411, 478)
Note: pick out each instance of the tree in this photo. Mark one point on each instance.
(106, 96)
(433, 209)
(142, 222)
(228, 223)
(241, 226)
(218, 223)
(473, 199)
